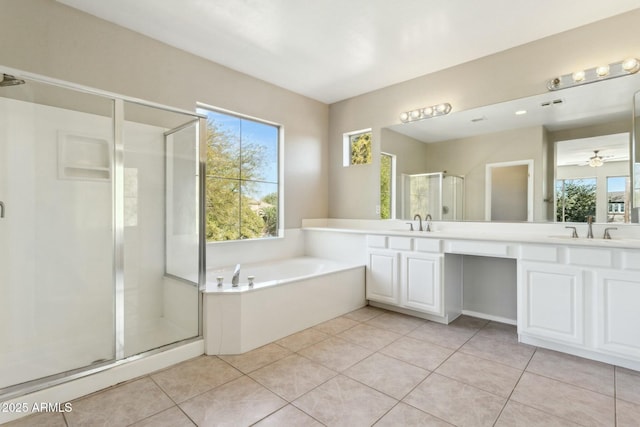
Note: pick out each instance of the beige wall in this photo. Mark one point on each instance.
(514, 73)
(47, 38)
(468, 157)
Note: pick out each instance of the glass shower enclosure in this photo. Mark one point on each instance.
(437, 194)
(101, 249)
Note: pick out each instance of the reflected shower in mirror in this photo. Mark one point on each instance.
(537, 129)
(436, 194)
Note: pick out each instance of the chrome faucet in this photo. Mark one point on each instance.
(428, 221)
(590, 227)
(607, 236)
(236, 276)
(574, 233)
(419, 220)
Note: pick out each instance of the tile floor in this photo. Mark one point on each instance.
(373, 367)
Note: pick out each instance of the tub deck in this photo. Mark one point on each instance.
(237, 320)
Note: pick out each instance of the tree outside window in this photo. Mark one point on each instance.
(386, 186)
(575, 199)
(242, 186)
(360, 148)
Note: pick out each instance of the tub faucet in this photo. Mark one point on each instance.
(419, 220)
(590, 227)
(236, 276)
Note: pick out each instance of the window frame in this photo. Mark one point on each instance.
(280, 170)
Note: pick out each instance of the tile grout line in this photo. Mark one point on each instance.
(615, 396)
(431, 372)
(506, 402)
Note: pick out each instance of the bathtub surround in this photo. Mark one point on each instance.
(288, 295)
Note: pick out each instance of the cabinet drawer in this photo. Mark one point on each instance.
(428, 245)
(545, 253)
(478, 248)
(377, 241)
(590, 257)
(631, 260)
(400, 243)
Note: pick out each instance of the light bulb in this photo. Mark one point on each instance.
(631, 65)
(404, 117)
(602, 71)
(415, 114)
(595, 162)
(578, 76)
(428, 111)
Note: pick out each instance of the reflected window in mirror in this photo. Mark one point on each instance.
(592, 178)
(387, 185)
(575, 199)
(357, 148)
(618, 197)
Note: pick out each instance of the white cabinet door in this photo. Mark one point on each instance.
(551, 302)
(618, 295)
(421, 280)
(382, 276)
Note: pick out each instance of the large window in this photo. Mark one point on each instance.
(242, 183)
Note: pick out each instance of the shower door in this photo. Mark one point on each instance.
(422, 194)
(101, 249)
(160, 237)
(56, 232)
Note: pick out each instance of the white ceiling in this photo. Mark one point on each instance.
(331, 50)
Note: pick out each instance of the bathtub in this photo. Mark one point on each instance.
(287, 296)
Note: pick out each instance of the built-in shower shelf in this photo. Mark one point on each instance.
(83, 157)
(79, 172)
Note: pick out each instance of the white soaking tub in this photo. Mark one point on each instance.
(287, 296)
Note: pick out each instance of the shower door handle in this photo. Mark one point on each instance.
(1, 210)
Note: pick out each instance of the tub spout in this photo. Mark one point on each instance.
(236, 276)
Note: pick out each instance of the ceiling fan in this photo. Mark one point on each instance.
(596, 161)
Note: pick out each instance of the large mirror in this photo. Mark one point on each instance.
(558, 156)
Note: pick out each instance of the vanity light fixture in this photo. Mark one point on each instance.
(425, 113)
(596, 74)
(595, 161)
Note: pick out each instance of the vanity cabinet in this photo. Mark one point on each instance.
(551, 302)
(583, 300)
(382, 276)
(580, 297)
(421, 282)
(618, 315)
(406, 274)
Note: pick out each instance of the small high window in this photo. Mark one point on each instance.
(357, 148)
